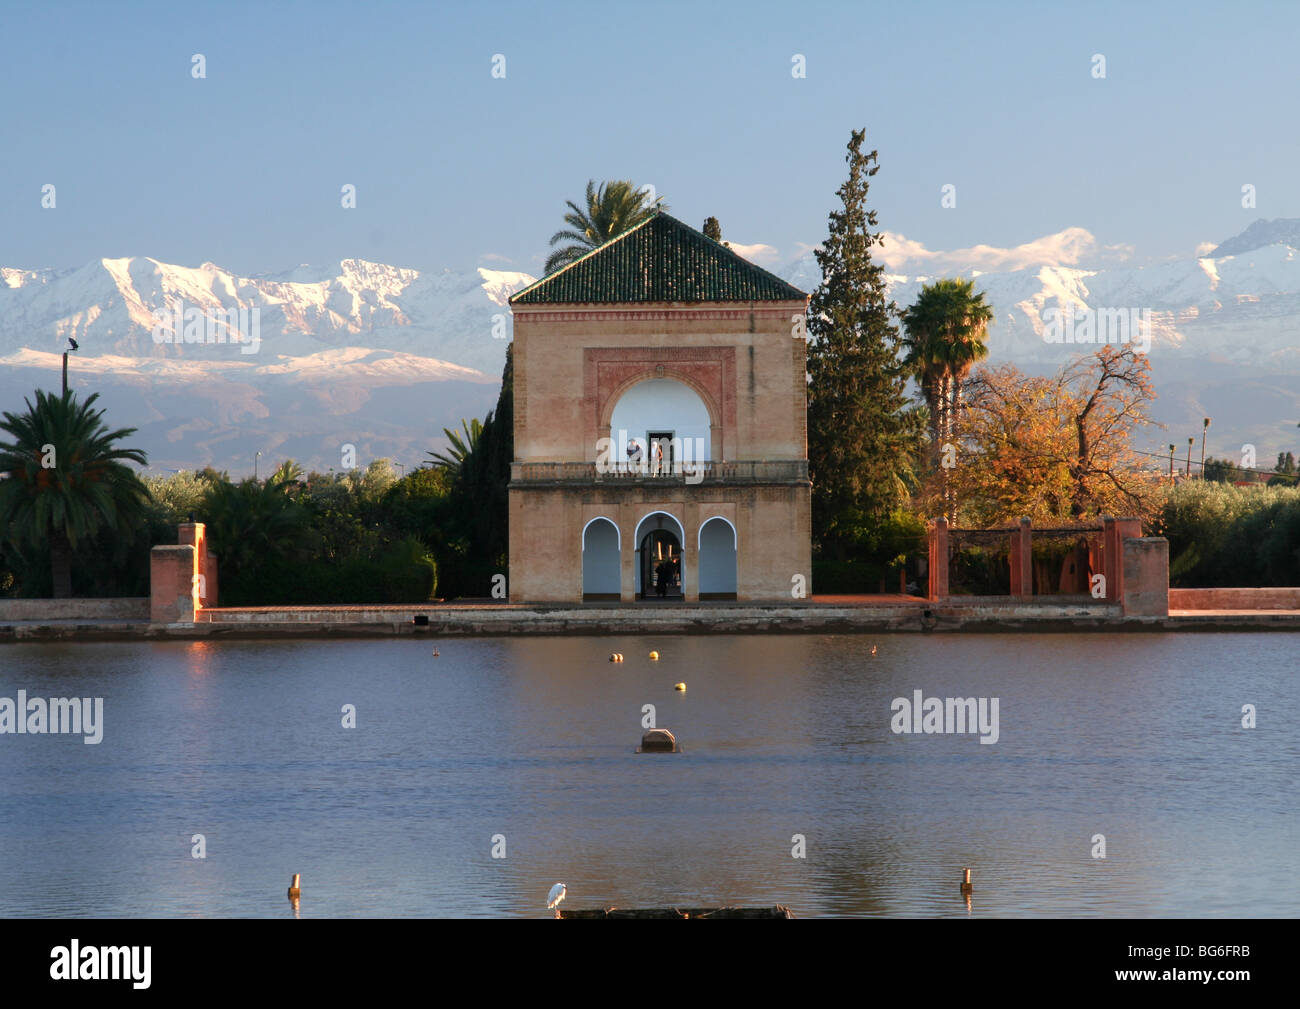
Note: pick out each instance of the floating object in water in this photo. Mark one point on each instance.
(658, 741)
(435, 653)
(557, 894)
(965, 881)
(680, 686)
(615, 656)
(294, 890)
(654, 656)
(873, 650)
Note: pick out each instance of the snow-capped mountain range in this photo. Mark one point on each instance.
(378, 357)
(384, 357)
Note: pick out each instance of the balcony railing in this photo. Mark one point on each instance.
(757, 471)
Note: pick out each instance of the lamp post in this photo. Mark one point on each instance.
(1190, 442)
(259, 456)
(1172, 449)
(72, 345)
(1205, 426)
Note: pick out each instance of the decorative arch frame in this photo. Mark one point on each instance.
(709, 372)
(606, 416)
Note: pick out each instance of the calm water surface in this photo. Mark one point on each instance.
(1134, 736)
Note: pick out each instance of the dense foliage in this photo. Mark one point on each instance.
(66, 482)
(862, 442)
(1221, 535)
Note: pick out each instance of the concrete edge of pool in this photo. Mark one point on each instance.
(490, 620)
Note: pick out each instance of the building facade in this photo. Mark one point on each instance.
(660, 426)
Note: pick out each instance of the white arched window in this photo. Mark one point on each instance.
(662, 409)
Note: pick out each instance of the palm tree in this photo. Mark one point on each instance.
(944, 336)
(288, 472)
(611, 210)
(460, 447)
(252, 522)
(66, 480)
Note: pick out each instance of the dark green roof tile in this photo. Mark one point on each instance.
(660, 259)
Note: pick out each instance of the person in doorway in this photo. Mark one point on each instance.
(661, 579)
(658, 457)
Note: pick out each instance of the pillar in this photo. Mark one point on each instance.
(1022, 561)
(1146, 577)
(173, 594)
(627, 559)
(938, 559)
(1114, 533)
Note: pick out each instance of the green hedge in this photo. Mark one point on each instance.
(403, 573)
(1225, 536)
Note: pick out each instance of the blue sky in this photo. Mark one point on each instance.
(454, 168)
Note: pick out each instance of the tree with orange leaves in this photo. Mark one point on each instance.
(1056, 448)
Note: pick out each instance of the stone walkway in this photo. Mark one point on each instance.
(820, 615)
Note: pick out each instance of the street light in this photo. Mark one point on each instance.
(1190, 442)
(1205, 426)
(1172, 449)
(259, 456)
(72, 345)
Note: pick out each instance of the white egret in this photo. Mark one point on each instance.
(556, 895)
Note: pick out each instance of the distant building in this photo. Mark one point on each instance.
(660, 426)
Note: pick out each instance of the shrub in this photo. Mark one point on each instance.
(1221, 535)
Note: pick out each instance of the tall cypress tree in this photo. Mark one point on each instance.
(713, 229)
(486, 475)
(859, 439)
(478, 505)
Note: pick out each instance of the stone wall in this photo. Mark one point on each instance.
(1281, 598)
(126, 608)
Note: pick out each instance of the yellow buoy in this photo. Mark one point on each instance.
(654, 656)
(680, 686)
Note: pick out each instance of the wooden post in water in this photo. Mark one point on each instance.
(965, 881)
(294, 891)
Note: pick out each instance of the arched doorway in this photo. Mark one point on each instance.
(660, 561)
(717, 559)
(601, 546)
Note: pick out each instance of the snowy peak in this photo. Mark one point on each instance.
(1242, 307)
(112, 306)
(1283, 231)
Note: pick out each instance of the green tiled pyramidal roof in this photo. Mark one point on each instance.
(661, 259)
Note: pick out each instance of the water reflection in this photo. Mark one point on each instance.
(1135, 737)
